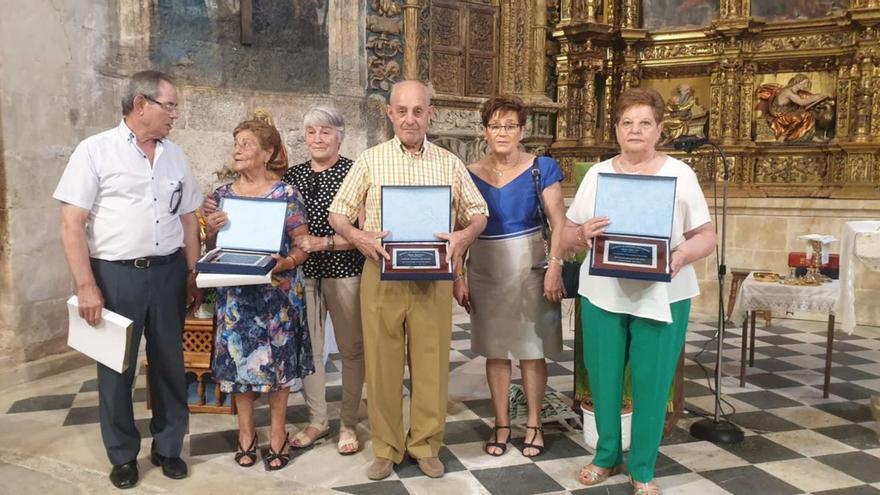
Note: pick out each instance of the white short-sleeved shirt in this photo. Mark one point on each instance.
(129, 201)
(643, 298)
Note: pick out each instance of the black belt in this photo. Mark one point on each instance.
(148, 261)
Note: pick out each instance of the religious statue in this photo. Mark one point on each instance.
(794, 113)
(684, 115)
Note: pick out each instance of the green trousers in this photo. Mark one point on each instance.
(652, 349)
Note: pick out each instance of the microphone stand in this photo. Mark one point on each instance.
(716, 430)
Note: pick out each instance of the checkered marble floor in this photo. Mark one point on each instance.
(796, 441)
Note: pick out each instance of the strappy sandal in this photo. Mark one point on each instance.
(283, 457)
(249, 453)
(502, 446)
(590, 477)
(303, 440)
(531, 445)
(351, 441)
(648, 488)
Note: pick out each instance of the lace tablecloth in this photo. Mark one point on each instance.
(846, 304)
(780, 298)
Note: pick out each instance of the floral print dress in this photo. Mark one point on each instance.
(262, 341)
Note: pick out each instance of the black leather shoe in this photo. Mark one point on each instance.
(172, 467)
(124, 475)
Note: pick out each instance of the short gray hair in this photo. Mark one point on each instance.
(325, 117)
(143, 83)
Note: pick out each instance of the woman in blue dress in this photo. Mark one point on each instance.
(514, 307)
(262, 342)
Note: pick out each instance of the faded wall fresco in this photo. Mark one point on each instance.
(797, 9)
(677, 14)
(199, 41)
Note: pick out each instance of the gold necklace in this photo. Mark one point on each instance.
(500, 172)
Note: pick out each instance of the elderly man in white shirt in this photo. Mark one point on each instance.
(130, 234)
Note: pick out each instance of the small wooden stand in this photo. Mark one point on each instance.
(198, 351)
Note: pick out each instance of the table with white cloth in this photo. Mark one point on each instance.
(846, 304)
(781, 298)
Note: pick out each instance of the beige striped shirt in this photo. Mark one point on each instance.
(389, 164)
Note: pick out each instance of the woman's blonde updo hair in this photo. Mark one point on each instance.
(263, 127)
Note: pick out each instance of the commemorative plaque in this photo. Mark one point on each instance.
(636, 243)
(412, 215)
(253, 232)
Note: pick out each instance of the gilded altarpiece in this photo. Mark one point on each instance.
(470, 50)
(789, 96)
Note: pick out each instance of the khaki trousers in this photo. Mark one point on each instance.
(406, 319)
(339, 298)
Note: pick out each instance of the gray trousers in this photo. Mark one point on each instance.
(154, 298)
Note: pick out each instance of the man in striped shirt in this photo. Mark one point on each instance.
(406, 317)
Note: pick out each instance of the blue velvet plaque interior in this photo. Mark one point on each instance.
(642, 205)
(416, 213)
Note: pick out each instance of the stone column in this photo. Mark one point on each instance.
(588, 107)
(863, 100)
(716, 98)
(346, 51)
(608, 103)
(746, 103)
(730, 68)
(410, 39)
(588, 14)
(133, 52)
(538, 48)
(565, 11)
(847, 74)
(610, 13)
(566, 96)
(630, 14)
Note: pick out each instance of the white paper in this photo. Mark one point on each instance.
(204, 280)
(107, 342)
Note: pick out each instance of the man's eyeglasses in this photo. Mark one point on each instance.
(497, 128)
(176, 197)
(167, 106)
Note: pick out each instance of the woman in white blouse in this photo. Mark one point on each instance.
(643, 320)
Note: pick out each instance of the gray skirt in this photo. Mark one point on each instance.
(510, 318)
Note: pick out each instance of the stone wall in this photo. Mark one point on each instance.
(51, 96)
(65, 84)
(762, 231)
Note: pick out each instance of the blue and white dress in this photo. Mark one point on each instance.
(510, 318)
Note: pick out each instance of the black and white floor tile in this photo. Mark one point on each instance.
(796, 441)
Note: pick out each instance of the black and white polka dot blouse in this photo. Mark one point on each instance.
(317, 190)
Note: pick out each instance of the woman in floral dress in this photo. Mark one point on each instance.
(262, 340)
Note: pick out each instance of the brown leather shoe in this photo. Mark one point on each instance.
(431, 466)
(380, 469)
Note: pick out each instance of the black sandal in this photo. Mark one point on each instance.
(282, 456)
(250, 453)
(496, 444)
(531, 445)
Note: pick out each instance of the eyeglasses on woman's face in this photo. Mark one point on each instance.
(506, 128)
